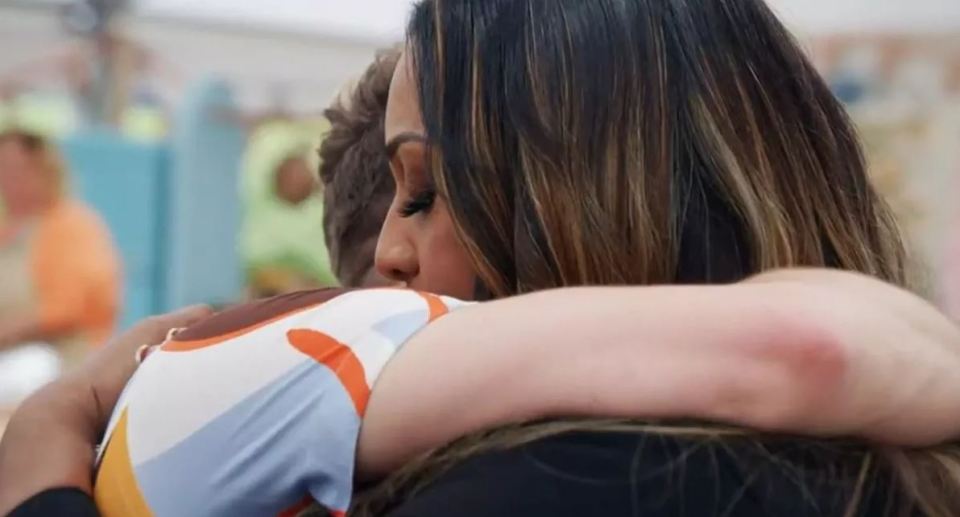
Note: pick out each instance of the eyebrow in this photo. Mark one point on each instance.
(403, 138)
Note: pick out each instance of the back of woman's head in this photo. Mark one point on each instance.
(646, 141)
(640, 141)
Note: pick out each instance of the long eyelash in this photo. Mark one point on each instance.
(421, 202)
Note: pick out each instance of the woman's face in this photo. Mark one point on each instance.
(418, 244)
(25, 185)
(294, 181)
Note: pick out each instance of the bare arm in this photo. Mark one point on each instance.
(48, 444)
(901, 384)
(812, 352)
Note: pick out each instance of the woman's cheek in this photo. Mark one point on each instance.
(446, 263)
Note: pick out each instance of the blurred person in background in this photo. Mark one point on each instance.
(59, 270)
(282, 239)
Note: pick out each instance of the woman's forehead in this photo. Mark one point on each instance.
(403, 105)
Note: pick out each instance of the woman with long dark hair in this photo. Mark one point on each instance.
(547, 144)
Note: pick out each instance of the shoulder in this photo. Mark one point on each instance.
(243, 316)
(269, 394)
(301, 344)
(71, 226)
(73, 240)
(73, 214)
(337, 306)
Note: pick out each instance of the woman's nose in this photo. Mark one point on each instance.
(397, 260)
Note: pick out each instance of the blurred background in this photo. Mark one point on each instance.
(172, 118)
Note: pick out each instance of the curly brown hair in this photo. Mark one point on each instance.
(355, 172)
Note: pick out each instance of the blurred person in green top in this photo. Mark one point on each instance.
(282, 240)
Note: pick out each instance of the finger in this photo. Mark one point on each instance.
(154, 330)
(144, 352)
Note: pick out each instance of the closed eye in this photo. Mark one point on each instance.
(419, 203)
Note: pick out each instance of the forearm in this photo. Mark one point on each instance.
(720, 353)
(804, 351)
(902, 385)
(48, 444)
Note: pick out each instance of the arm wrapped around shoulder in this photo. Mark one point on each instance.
(806, 352)
(884, 367)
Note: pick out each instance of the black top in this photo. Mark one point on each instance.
(621, 475)
(59, 502)
(614, 475)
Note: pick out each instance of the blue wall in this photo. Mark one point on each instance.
(127, 183)
(207, 147)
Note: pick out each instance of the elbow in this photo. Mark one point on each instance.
(816, 369)
(794, 371)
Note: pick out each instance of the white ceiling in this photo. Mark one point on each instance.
(869, 15)
(384, 19)
(368, 19)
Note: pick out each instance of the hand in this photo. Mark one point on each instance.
(50, 439)
(105, 374)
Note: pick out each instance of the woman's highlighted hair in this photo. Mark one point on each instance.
(648, 142)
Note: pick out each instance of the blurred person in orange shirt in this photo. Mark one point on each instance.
(59, 269)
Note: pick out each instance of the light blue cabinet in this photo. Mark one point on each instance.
(126, 182)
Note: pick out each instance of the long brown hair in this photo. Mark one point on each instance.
(646, 142)
(621, 141)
